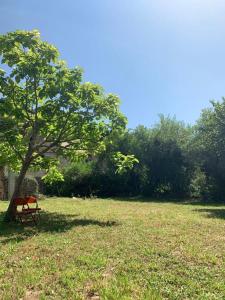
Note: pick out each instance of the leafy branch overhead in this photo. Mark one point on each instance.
(53, 175)
(47, 110)
(124, 162)
(46, 107)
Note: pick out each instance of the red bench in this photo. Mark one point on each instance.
(29, 209)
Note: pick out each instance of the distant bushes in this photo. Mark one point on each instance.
(77, 178)
(175, 160)
(30, 186)
(162, 169)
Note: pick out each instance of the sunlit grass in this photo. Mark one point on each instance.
(86, 249)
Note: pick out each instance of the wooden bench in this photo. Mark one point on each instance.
(27, 209)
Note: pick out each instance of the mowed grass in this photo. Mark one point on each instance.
(109, 249)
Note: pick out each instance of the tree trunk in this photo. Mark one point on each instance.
(11, 211)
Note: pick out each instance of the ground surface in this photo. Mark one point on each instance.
(108, 249)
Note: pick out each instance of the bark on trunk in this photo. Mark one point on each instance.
(11, 211)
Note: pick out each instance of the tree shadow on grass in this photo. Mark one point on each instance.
(212, 212)
(168, 200)
(49, 222)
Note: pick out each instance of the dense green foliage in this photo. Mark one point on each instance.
(175, 160)
(210, 149)
(47, 108)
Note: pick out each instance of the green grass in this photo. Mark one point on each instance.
(108, 249)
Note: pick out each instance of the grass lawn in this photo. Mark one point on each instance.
(108, 249)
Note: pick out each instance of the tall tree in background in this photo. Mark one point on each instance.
(46, 107)
(164, 168)
(210, 147)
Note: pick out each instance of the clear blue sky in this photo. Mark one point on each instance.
(159, 56)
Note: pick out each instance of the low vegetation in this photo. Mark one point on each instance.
(112, 249)
(175, 160)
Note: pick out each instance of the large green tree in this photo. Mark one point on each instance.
(210, 147)
(45, 107)
(164, 168)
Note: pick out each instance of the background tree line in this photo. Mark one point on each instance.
(175, 160)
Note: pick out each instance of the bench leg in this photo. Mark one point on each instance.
(34, 218)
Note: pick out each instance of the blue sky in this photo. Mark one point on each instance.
(159, 56)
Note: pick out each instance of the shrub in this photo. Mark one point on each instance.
(30, 186)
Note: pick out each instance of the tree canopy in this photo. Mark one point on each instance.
(46, 107)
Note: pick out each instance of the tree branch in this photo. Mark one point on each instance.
(14, 149)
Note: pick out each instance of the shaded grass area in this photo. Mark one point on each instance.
(107, 249)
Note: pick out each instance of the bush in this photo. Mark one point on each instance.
(198, 184)
(30, 186)
(77, 181)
